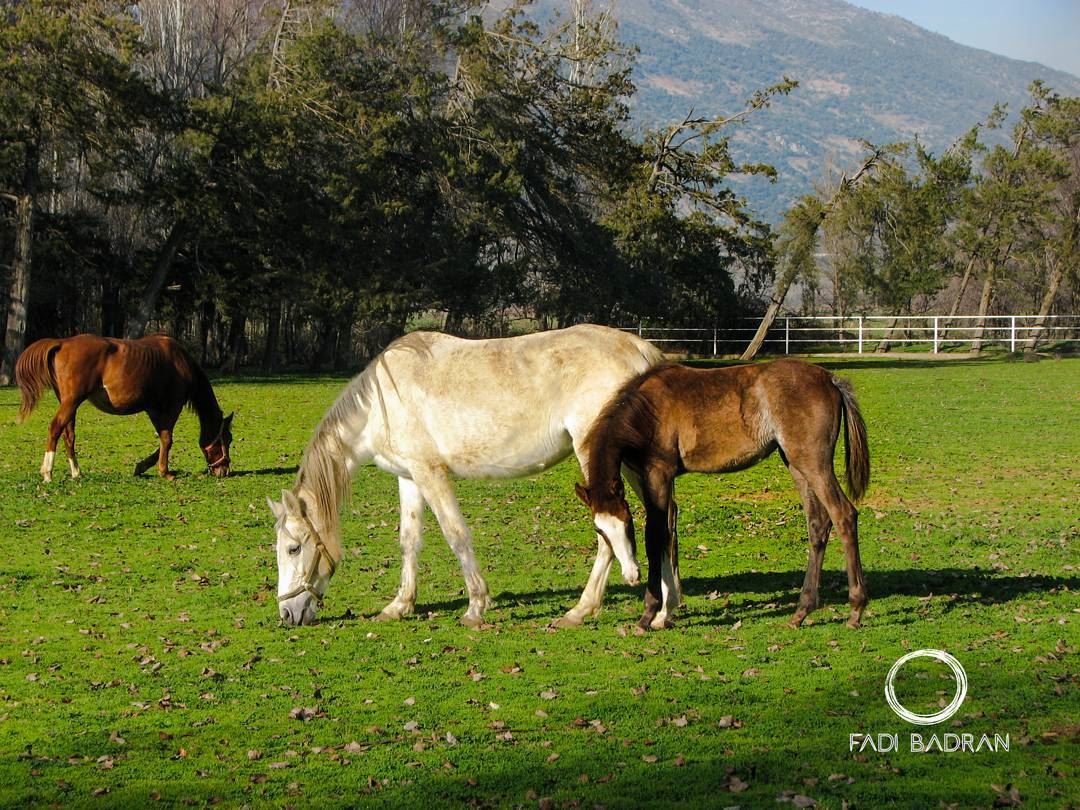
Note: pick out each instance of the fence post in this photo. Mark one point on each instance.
(1012, 333)
(714, 342)
(787, 335)
(860, 333)
(639, 329)
(935, 334)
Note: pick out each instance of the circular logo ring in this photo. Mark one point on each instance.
(927, 719)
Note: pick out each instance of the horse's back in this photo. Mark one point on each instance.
(499, 407)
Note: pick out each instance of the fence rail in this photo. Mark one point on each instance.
(868, 333)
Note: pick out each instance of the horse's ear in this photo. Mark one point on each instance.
(277, 508)
(290, 501)
(617, 487)
(583, 494)
(228, 421)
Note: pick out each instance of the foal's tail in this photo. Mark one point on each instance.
(856, 450)
(33, 374)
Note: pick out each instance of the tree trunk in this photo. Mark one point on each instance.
(984, 307)
(964, 281)
(234, 343)
(1056, 274)
(886, 341)
(777, 301)
(145, 311)
(19, 295)
(273, 331)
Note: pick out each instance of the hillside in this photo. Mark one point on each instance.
(862, 75)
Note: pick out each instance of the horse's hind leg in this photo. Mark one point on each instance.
(412, 523)
(439, 494)
(818, 525)
(846, 519)
(65, 416)
(69, 441)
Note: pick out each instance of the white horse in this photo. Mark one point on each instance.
(431, 406)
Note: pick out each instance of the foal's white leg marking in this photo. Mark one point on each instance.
(669, 594)
(615, 530)
(412, 522)
(74, 464)
(47, 465)
(439, 494)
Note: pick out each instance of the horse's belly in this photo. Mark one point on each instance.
(513, 456)
(101, 400)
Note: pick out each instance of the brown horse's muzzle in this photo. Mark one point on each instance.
(217, 459)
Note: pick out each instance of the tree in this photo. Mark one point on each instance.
(797, 244)
(69, 88)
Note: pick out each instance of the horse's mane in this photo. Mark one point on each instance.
(627, 422)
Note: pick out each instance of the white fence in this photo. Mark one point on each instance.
(865, 333)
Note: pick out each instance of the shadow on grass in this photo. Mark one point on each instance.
(957, 586)
(266, 471)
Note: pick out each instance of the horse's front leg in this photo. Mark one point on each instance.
(439, 494)
(147, 462)
(663, 591)
(656, 541)
(412, 524)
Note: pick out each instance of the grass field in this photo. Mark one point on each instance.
(141, 658)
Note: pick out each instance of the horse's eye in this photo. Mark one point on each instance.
(294, 550)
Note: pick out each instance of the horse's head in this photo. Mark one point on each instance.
(304, 564)
(613, 522)
(217, 452)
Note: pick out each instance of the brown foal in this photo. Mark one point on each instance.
(674, 419)
(153, 374)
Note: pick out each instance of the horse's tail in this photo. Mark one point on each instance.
(33, 373)
(856, 449)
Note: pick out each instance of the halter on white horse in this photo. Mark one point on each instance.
(431, 406)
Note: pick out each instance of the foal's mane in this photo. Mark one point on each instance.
(627, 423)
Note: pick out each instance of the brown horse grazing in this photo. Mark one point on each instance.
(153, 374)
(673, 419)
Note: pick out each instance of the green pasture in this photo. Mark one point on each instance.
(142, 663)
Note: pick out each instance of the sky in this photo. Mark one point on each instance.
(1046, 31)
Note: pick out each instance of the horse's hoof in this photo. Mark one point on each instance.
(472, 621)
(854, 623)
(169, 476)
(659, 623)
(795, 622)
(46, 479)
(569, 620)
(384, 617)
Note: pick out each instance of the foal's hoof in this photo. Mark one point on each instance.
(854, 623)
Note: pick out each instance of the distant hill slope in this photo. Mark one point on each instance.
(862, 75)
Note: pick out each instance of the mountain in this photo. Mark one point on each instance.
(861, 74)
